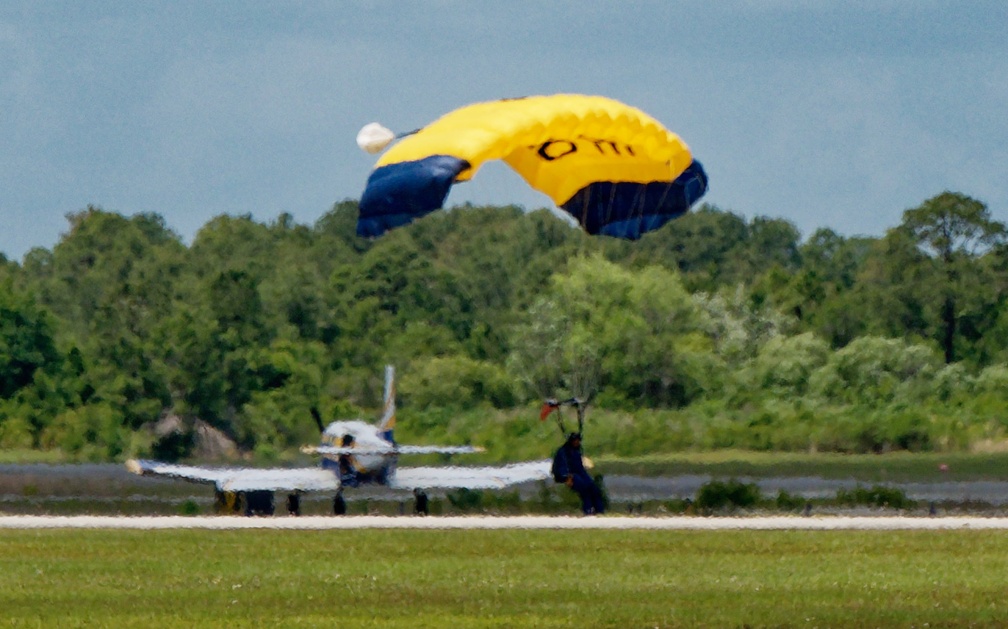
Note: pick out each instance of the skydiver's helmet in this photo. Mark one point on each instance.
(571, 437)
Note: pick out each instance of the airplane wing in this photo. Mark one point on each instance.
(354, 450)
(438, 449)
(242, 479)
(470, 477)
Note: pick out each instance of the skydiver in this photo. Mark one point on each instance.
(568, 468)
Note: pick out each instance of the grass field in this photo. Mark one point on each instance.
(398, 578)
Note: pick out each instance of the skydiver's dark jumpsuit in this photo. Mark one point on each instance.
(567, 463)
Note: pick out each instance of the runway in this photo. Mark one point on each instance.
(97, 481)
(680, 523)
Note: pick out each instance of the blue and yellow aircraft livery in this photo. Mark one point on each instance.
(612, 167)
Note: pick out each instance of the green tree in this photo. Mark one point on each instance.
(894, 295)
(456, 382)
(823, 298)
(874, 371)
(26, 340)
(110, 282)
(785, 364)
(707, 246)
(601, 328)
(954, 230)
(737, 326)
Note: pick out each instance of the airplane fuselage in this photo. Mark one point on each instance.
(370, 468)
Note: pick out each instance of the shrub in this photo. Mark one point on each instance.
(15, 432)
(909, 429)
(788, 502)
(732, 494)
(466, 499)
(873, 369)
(785, 364)
(877, 496)
(456, 382)
(174, 446)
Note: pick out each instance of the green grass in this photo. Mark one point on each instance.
(502, 578)
(890, 467)
(26, 455)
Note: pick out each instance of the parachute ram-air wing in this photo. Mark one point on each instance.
(612, 167)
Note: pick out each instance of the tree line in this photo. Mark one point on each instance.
(715, 331)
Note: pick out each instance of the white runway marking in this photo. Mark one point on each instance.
(821, 523)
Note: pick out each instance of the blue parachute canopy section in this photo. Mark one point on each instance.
(399, 193)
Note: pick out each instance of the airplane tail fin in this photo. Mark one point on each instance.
(387, 422)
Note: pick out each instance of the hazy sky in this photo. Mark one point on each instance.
(828, 114)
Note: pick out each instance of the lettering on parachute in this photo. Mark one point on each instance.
(551, 150)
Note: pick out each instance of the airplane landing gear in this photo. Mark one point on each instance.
(420, 506)
(294, 504)
(226, 503)
(258, 502)
(339, 504)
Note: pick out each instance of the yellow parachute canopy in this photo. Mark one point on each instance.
(615, 169)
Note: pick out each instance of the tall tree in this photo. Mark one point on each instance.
(601, 329)
(706, 246)
(26, 342)
(110, 282)
(955, 230)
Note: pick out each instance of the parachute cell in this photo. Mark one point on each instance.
(612, 167)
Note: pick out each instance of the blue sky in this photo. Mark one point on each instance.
(827, 114)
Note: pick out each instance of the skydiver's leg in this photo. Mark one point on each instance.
(598, 505)
(583, 487)
(591, 495)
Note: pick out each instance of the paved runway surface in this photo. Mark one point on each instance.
(95, 480)
(515, 522)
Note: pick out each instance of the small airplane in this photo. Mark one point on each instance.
(353, 453)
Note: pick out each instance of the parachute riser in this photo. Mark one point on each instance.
(560, 423)
(576, 403)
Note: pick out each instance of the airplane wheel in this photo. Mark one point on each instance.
(294, 504)
(226, 503)
(339, 505)
(420, 506)
(258, 502)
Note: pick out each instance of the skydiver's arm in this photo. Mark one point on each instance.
(563, 467)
